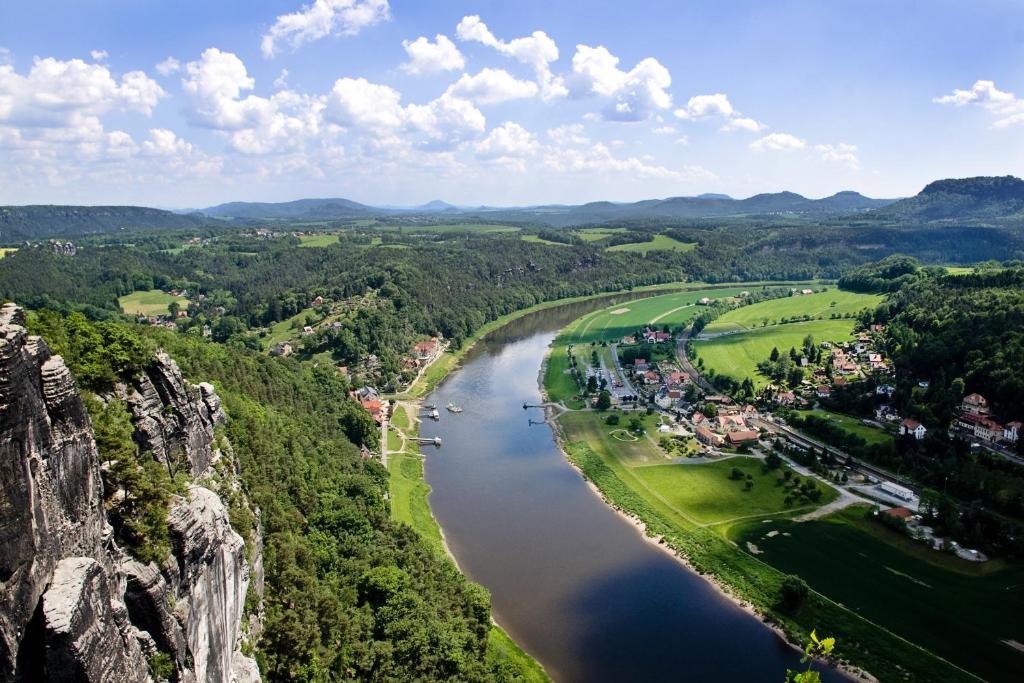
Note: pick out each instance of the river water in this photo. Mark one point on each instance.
(572, 582)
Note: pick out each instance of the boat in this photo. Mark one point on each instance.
(452, 408)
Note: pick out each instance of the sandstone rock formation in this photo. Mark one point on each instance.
(73, 605)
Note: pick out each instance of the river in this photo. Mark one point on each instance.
(572, 582)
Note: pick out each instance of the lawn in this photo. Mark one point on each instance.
(853, 425)
(737, 355)
(151, 302)
(4, 251)
(660, 243)
(285, 330)
(317, 240)
(963, 613)
(708, 495)
(590, 427)
(400, 419)
(766, 313)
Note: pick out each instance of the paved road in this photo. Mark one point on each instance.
(627, 385)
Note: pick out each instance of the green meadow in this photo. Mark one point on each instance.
(833, 302)
(151, 302)
(660, 243)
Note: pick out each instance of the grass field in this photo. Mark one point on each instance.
(539, 240)
(708, 495)
(614, 322)
(853, 425)
(151, 302)
(597, 234)
(482, 228)
(737, 355)
(660, 243)
(849, 557)
(4, 251)
(317, 240)
(820, 305)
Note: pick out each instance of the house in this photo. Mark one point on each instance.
(741, 437)
(806, 292)
(727, 422)
(651, 377)
(426, 350)
(824, 391)
(976, 404)
(749, 411)
(365, 394)
(785, 398)
(282, 349)
(640, 364)
(839, 382)
(899, 513)
(676, 377)
(697, 418)
(629, 340)
(1012, 430)
(708, 437)
(343, 370)
(663, 336)
(318, 301)
(910, 426)
(336, 325)
(705, 301)
(988, 429)
(307, 330)
(375, 408)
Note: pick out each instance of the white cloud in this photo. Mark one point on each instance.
(537, 51)
(664, 130)
(1005, 106)
(599, 159)
(841, 153)
(682, 140)
(321, 19)
(281, 82)
(257, 125)
(427, 58)
(5, 56)
(777, 142)
(717, 106)
(168, 66)
(165, 143)
(508, 144)
(58, 94)
(633, 95)
(98, 55)
(491, 86)
(568, 134)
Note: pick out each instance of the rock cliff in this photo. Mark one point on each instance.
(74, 606)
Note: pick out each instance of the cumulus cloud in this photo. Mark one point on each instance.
(778, 142)
(98, 55)
(321, 19)
(1005, 106)
(508, 144)
(71, 93)
(168, 66)
(376, 110)
(841, 153)
(598, 158)
(426, 57)
(165, 143)
(536, 50)
(633, 95)
(491, 86)
(5, 56)
(664, 130)
(717, 106)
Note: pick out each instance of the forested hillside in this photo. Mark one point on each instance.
(43, 222)
(349, 593)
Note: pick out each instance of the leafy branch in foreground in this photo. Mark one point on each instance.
(814, 649)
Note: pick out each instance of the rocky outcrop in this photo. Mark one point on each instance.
(73, 605)
(175, 420)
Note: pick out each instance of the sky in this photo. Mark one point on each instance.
(186, 104)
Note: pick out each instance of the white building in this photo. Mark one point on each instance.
(901, 492)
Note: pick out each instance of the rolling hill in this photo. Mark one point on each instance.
(962, 199)
(311, 209)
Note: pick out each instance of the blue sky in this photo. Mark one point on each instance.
(187, 104)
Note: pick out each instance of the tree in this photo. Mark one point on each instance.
(592, 384)
(793, 592)
(814, 648)
(604, 401)
(612, 419)
(636, 425)
(173, 308)
(775, 354)
(736, 473)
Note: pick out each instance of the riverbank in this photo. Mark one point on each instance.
(748, 581)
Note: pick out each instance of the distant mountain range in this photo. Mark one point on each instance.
(983, 199)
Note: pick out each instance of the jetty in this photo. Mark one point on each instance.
(435, 442)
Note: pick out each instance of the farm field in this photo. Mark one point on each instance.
(853, 425)
(660, 243)
(848, 557)
(737, 355)
(151, 302)
(317, 240)
(482, 228)
(540, 240)
(766, 313)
